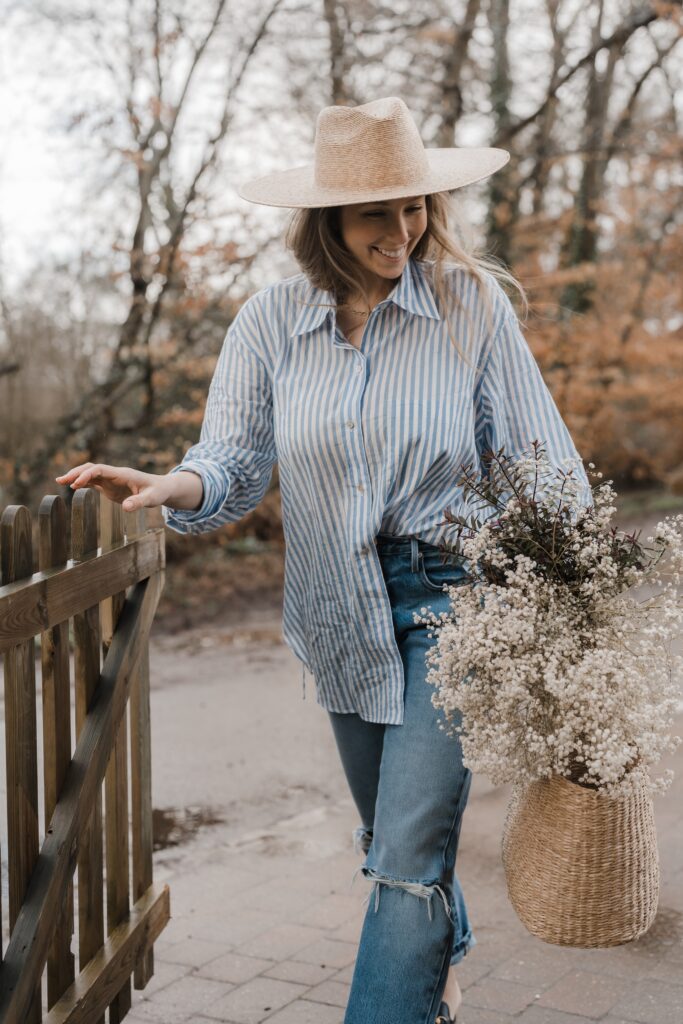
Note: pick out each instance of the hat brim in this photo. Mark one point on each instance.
(448, 169)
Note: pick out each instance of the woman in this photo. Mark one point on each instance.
(370, 377)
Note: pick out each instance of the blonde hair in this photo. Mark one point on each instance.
(314, 237)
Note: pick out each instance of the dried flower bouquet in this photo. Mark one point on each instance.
(554, 667)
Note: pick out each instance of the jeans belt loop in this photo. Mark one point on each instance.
(414, 554)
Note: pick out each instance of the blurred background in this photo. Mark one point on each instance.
(125, 251)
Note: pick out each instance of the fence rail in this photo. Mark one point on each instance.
(98, 601)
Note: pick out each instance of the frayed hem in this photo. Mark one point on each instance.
(464, 946)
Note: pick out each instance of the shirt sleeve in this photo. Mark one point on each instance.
(236, 450)
(513, 405)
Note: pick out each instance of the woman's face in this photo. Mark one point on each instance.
(382, 235)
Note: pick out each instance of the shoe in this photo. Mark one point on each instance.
(444, 1015)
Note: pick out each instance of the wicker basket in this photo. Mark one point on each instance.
(581, 870)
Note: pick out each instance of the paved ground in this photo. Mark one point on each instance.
(265, 922)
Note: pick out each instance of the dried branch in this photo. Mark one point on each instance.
(641, 17)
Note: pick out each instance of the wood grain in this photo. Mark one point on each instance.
(28, 946)
(28, 607)
(21, 744)
(124, 947)
(141, 777)
(56, 732)
(116, 780)
(84, 530)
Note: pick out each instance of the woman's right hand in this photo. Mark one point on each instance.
(131, 488)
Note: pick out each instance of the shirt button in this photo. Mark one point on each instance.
(364, 551)
(350, 424)
(358, 368)
(360, 487)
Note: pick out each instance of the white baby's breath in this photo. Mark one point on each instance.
(548, 665)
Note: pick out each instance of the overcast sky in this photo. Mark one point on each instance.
(33, 160)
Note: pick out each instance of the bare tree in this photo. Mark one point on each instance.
(451, 85)
(164, 204)
(501, 206)
(334, 14)
(581, 242)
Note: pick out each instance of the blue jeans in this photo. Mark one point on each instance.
(410, 788)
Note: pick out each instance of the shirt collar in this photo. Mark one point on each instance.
(412, 293)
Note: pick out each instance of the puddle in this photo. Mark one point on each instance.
(172, 826)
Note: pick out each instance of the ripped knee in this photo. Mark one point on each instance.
(423, 890)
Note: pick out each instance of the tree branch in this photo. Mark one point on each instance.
(643, 16)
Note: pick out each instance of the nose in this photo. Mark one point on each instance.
(398, 232)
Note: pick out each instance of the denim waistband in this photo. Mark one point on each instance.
(399, 546)
(394, 542)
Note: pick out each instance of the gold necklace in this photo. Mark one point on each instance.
(361, 312)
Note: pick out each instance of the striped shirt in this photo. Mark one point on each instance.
(368, 440)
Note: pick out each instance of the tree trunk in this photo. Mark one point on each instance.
(502, 209)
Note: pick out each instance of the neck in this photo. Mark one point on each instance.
(375, 291)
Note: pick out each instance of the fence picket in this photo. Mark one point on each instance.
(21, 743)
(84, 530)
(141, 774)
(116, 781)
(56, 730)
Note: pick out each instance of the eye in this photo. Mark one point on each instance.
(380, 213)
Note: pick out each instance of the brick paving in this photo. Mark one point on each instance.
(265, 928)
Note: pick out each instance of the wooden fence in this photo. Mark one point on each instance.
(98, 603)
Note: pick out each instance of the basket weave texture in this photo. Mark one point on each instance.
(581, 869)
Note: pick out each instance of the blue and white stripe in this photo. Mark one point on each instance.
(367, 440)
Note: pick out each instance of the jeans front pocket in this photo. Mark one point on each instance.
(434, 573)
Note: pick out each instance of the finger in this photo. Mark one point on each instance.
(92, 472)
(142, 497)
(81, 481)
(74, 470)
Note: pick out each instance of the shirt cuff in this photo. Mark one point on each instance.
(216, 489)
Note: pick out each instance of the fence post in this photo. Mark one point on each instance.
(141, 771)
(56, 730)
(20, 729)
(116, 780)
(87, 672)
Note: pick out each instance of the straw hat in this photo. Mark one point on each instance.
(373, 151)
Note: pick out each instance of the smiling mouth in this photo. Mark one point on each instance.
(391, 254)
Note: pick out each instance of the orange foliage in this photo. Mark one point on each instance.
(616, 370)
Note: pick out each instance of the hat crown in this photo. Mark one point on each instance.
(370, 146)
